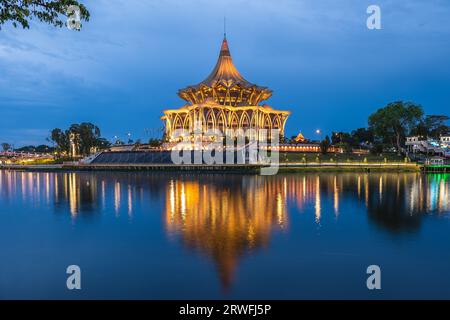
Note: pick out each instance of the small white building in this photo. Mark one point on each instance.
(415, 144)
(122, 147)
(445, 140)
(436, 161)
(418, 144)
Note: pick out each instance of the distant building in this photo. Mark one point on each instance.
(122, 147)
(445, 140)
(436, 161)
(416, 144)
(300, 138)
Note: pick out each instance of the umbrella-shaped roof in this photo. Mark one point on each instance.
(226, 85)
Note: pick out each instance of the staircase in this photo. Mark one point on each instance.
(90, 159)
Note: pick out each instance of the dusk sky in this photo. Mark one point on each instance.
(127, 63)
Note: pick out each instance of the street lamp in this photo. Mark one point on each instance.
(319, 133)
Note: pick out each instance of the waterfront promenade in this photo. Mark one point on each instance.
(249, 168)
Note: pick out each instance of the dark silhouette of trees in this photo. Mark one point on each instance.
(84, 138)
(395, 121)
(53, 12)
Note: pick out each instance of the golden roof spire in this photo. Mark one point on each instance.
(225, 49)
(235, 89)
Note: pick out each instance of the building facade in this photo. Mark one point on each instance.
(224, 101)
(427, 146)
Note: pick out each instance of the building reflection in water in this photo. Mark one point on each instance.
(228, 216)
(225, 217)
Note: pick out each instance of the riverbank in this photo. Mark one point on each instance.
(246, 168)
(350, 167)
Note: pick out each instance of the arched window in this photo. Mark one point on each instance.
(178, 124)
(187, 125)
(254, 121)
(221, 122)
(267, 122)
(234, 121)
(210, 120)
(245, 121)
(277, 123)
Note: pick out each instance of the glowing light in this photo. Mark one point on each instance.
(317, 203)
(117, 198)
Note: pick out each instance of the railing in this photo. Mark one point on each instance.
(348, 164)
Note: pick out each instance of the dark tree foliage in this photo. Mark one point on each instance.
(155, 143)
(432, 126)
(325, 145)
(395, 121)
(6, 146)
(53, 12)
(363, 136)
(61, 140)
(84, 136)
(38, 149)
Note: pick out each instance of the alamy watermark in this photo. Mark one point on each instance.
(73, 17)
(373, 282)
(233, 147)
(74, 280)
(374, 279)
(374, 20)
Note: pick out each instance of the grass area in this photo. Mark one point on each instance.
(36, 162)
(391, 168)
(289, 157)
(43, 161)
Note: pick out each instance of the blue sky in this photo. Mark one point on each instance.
(128, 62)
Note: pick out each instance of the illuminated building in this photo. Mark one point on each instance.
(300, 138)
(225, 101)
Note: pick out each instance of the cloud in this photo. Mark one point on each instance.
(128, 62)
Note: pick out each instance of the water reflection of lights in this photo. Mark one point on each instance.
(130, 202)
(359, 186)
(224, 217)
(47, 188)
(336, 197)
(103, 186)
(380, 191)
(225, 221)
(117, 198)
(317, 205)
(73, 194)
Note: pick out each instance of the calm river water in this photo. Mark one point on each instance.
(191, 236)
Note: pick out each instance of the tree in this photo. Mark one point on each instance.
(6, 146)
(20, 12)
(155, 143)
(102, 143)
(432, 126)
(392, 123)
(85, 138)
(61, 140)
(325, 145)
(38, 149)
(341, 137)
(44, 149)
(363, 136)
(292, 140)
(138, 143)
(377, 148)
(119, 142)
